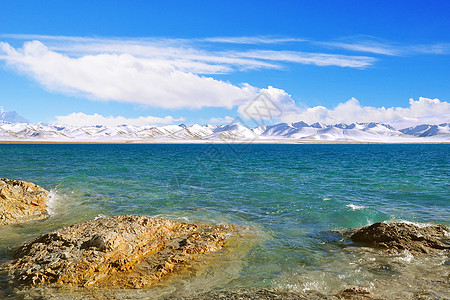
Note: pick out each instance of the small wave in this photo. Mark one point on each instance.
(52, 202)
(406, 256)
(355, 207)
(417, 224)
(99, 216)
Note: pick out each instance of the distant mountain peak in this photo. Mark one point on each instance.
(11, 116)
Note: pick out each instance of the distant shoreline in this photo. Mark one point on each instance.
(193, 142)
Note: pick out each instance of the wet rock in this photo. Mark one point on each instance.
(21, 201)
(257, 294)
(121, 251)
(354, 293)
(397, 237)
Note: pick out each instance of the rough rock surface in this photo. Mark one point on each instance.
(21, 201)
(397, 237)
(354, 293)
(121, 251)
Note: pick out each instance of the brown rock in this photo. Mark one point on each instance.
(397, 237)
(354, 293)
(21, 201)
(120, 251)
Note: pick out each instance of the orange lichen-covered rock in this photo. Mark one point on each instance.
(21, 201)
(120, 251)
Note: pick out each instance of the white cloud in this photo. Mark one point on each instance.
(318, 59)
(124, 78)
(351, 111)
(268, 107)
(406, 122)
(370, 44)
(154, 72)
(81, 119)
(222, 121)
(173, 73)
(370, 47)
(252, 40)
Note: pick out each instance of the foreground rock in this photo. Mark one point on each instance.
(120, 251)
(21, 201)
(397, 237)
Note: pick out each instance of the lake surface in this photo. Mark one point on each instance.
(294, 197)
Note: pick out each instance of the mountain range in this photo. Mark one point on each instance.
(13, 127)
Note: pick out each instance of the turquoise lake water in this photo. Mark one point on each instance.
(292, 196)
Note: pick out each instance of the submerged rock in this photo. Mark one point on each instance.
(21, 201)
(121, 251)
(397, 237)
(354, 293)
(255, 294)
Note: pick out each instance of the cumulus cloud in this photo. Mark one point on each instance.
(81, 119)
(268, 106)
(123, 77)
(178, 73)
(351, 111)
(156, 73)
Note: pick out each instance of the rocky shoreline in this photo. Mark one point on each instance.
(22, 201)
(122, 251)
(133, 251)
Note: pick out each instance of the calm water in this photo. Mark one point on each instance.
(293, 196)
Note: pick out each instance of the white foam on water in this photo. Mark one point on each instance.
(420, 225)
(355, 207)
(406, 256)
(312, 285)
(369, 222)
(52, 202)
(99, 216)
(326, 198)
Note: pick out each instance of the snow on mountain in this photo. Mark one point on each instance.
(338, 132)
(233, 132)
(283, 132)
(427, 130)
(11, 117)
(192, 133)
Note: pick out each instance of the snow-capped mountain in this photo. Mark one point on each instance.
(337, 132)
(283, 132)
(11, 117)
(428, 130)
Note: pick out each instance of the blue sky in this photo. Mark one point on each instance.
(172, 62)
